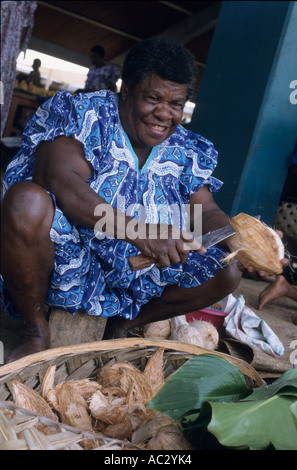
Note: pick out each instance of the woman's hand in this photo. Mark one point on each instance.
(164, 245)
(261, 275)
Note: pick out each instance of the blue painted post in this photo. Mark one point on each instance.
(245, 104)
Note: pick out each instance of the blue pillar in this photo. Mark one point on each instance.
(245, 105)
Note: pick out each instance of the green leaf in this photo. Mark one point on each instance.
(286, 384)
(255, 424)
(196, 431)
(206, 377)
(293, 409)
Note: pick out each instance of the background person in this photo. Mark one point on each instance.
(101, 75)
(34, 76)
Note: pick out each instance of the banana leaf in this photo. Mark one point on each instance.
(286, 384)
(293, 409)
(256, 425)
(202, 378)
(215, 410)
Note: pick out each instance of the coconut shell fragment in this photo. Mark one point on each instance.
(255, 244)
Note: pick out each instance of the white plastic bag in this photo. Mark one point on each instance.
(244, 325)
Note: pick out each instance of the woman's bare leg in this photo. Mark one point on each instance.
(27, 257)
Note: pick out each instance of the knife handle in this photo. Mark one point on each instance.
(138, 262)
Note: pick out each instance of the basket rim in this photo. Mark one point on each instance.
(125, 343)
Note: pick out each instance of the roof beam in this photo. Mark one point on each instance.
(187, 29)
(88, 20)
(176, 7)
(195, 25)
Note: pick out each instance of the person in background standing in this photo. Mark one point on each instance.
(101, 76)
(34, 76)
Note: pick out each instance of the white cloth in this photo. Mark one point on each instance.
(244, 325)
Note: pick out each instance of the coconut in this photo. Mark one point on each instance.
(182, 331)
(159, 329)
(168, 438)
(255, 244)
(208, 332)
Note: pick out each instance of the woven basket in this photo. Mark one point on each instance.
(18, 426)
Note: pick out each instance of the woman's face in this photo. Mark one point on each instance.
(152, 112)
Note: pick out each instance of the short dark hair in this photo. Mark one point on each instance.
(163, 56)
(98, 50)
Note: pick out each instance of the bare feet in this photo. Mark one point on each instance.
(278, 288)
(33, 339)
(116, 327)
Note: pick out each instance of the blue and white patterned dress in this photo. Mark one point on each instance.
(93, 274)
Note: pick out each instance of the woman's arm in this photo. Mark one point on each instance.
(61, 168)
(212, 216)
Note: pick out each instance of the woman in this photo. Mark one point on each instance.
(101, 75)
(34, 76)
(93, 163)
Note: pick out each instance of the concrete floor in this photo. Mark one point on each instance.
(67, 329)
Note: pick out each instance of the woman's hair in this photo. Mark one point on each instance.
(164, 57)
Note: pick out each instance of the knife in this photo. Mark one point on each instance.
(209, 239)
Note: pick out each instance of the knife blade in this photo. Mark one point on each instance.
(216, 236)
(141, 261)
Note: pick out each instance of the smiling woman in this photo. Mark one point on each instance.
(151, 112)
(122, 151)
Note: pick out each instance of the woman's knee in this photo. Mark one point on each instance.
(27, 206)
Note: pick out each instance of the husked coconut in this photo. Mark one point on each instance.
(182, 331)
(168, 438)
(208, 332)
(159, 329)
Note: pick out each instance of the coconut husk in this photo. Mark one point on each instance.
(255, 244)
(125, 376)
(154, 370)
(30, 400)
(73, 408)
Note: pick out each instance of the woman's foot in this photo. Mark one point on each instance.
(34, 339)
(277, 289)
(116, 327)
